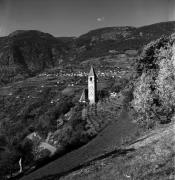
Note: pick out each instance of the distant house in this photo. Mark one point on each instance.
(113, 51)
(33, 136)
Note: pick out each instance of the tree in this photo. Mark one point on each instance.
(154, 95)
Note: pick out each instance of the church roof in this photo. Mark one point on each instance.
(92, 72)
(84, 96)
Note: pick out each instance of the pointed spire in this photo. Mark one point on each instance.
(92, 72)
(84, 96)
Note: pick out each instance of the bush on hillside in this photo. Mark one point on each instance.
(154, 95)
(119, 85)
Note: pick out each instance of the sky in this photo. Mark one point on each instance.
(76, 17)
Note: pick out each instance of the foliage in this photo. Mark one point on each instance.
(72, 135)
(20, 115)
(154, 95)
(119, 85)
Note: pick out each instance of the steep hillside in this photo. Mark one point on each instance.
(117, 152)
(149, 158)
(150, 105)
(154, 88)
(26, 53)
(101, 41)
(47, 103)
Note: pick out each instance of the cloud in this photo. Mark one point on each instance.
(100, 19)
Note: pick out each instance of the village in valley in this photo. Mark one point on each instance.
(71, 82)
(97, 106)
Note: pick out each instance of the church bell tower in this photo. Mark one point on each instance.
(92, 86)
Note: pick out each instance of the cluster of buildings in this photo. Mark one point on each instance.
(105, 73)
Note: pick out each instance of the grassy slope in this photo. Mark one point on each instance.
(153, 158)
(149, 157)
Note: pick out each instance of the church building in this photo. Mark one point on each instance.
(90, 94)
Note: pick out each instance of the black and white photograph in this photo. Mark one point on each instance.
(87, 89)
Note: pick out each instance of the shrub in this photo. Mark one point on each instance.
(154, 95)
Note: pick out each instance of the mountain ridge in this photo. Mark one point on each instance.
(25, 53)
